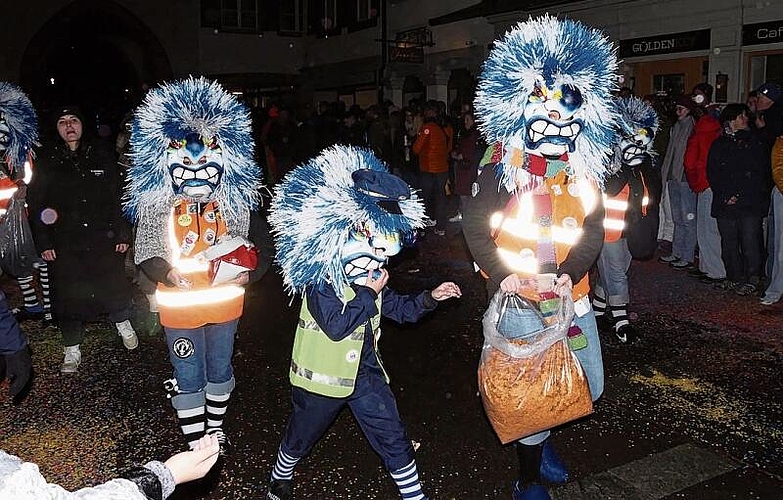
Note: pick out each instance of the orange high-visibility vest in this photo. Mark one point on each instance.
(517, 233)
(193, 228)
(616, 206)
(8, 187)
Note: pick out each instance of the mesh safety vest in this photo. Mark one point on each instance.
(327, 367)
(616, 206)
(193, 227)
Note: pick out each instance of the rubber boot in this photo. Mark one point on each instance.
(528, 486)
(553, 469)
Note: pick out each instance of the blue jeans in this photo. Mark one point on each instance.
(683, 206)
(590, 358)
(613, 264)
(710, 262)
(202, 355)
(775, 227)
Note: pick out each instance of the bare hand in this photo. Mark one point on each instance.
(377, 284)
(512, 283)
(194, 464)
(563, 285)
(121, 247)
(48, 255)
(242, 279)
(445, 291)
(179, 280)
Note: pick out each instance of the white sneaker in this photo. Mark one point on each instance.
(73, 358)
(768, 301)
(429, 222)
(456, 218)
(129, 338)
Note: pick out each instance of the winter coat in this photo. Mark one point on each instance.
(466, 169)
(74, 208)
(673, 167)
(707, 129)
(23, 481)
(738, 171)
(432, 146)
(777, 164)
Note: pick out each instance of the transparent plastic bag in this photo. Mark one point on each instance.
(528, 377)
(17, 249)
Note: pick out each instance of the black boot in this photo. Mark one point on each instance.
(528, 486)
(280, 489)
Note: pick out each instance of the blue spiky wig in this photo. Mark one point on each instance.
(171, 112)
(636, 114)
(22, 124)
(315, 208)
(555, 52)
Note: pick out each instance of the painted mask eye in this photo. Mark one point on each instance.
(213, 143)
(176, 144)
(537, 95)
(572, 97)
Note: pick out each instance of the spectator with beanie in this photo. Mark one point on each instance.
(769, 111)
(75, 216)
(432, 146)
(682, 199)
(738, 171)
(706, 130)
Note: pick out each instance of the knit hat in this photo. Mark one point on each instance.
(684, 101)
(67, 110)
(704, 88)
(772, 90)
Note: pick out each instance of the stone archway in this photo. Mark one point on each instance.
(94, 53)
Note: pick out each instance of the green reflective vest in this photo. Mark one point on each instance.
(327, 367)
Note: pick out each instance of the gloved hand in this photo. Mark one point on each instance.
(19, 370)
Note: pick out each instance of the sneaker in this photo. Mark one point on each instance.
(604, 323)
(48, 320)
(725, 285)
(745, 289)
(280, 489)
(682, 265)
(696, 273)
(709, 280)
(429, 222)
(24, 314)
(456, 218)
(440, 232)
(668, 259)
(766, 301)
(626, 334)
(73, 358)
(225, 444)
(129, 338)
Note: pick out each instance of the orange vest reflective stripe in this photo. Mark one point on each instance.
(614, 221)
(9, 187)
(193, 228)
(517, 234)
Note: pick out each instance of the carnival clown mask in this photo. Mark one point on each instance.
(633, 148)
(366, 251)
(195, 165)
(553, 119)
(5, 135)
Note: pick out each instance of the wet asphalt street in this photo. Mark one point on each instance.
(694, 410)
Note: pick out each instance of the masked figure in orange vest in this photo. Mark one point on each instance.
(544, 101)
(631, 197)
(193, 191)
(18, 136)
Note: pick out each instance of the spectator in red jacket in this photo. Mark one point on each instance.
(706, 130)
(432, 146)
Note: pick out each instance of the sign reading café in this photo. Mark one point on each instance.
(665, 44)
(768, 32)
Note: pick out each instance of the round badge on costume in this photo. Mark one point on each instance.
(183, 348)
(210, 216)
(209, 236)
(573, 189)
(569, 223)
(184, 220)
(352, 356)
(474, 189)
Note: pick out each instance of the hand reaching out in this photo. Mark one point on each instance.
(445, 291)
(378, 283)
(194, 464)
(179, 280)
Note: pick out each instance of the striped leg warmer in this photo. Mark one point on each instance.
(284, 466)
(407, 480)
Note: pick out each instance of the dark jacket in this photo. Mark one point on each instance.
(490, 199)
(74, 208)
(739, 172)
(466, 169)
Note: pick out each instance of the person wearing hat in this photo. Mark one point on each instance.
(769, 111)
(192, 185)
(681, 197)
(337, 219)
(75, 216)
(705, 131)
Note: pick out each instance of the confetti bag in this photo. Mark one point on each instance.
(17, 249)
